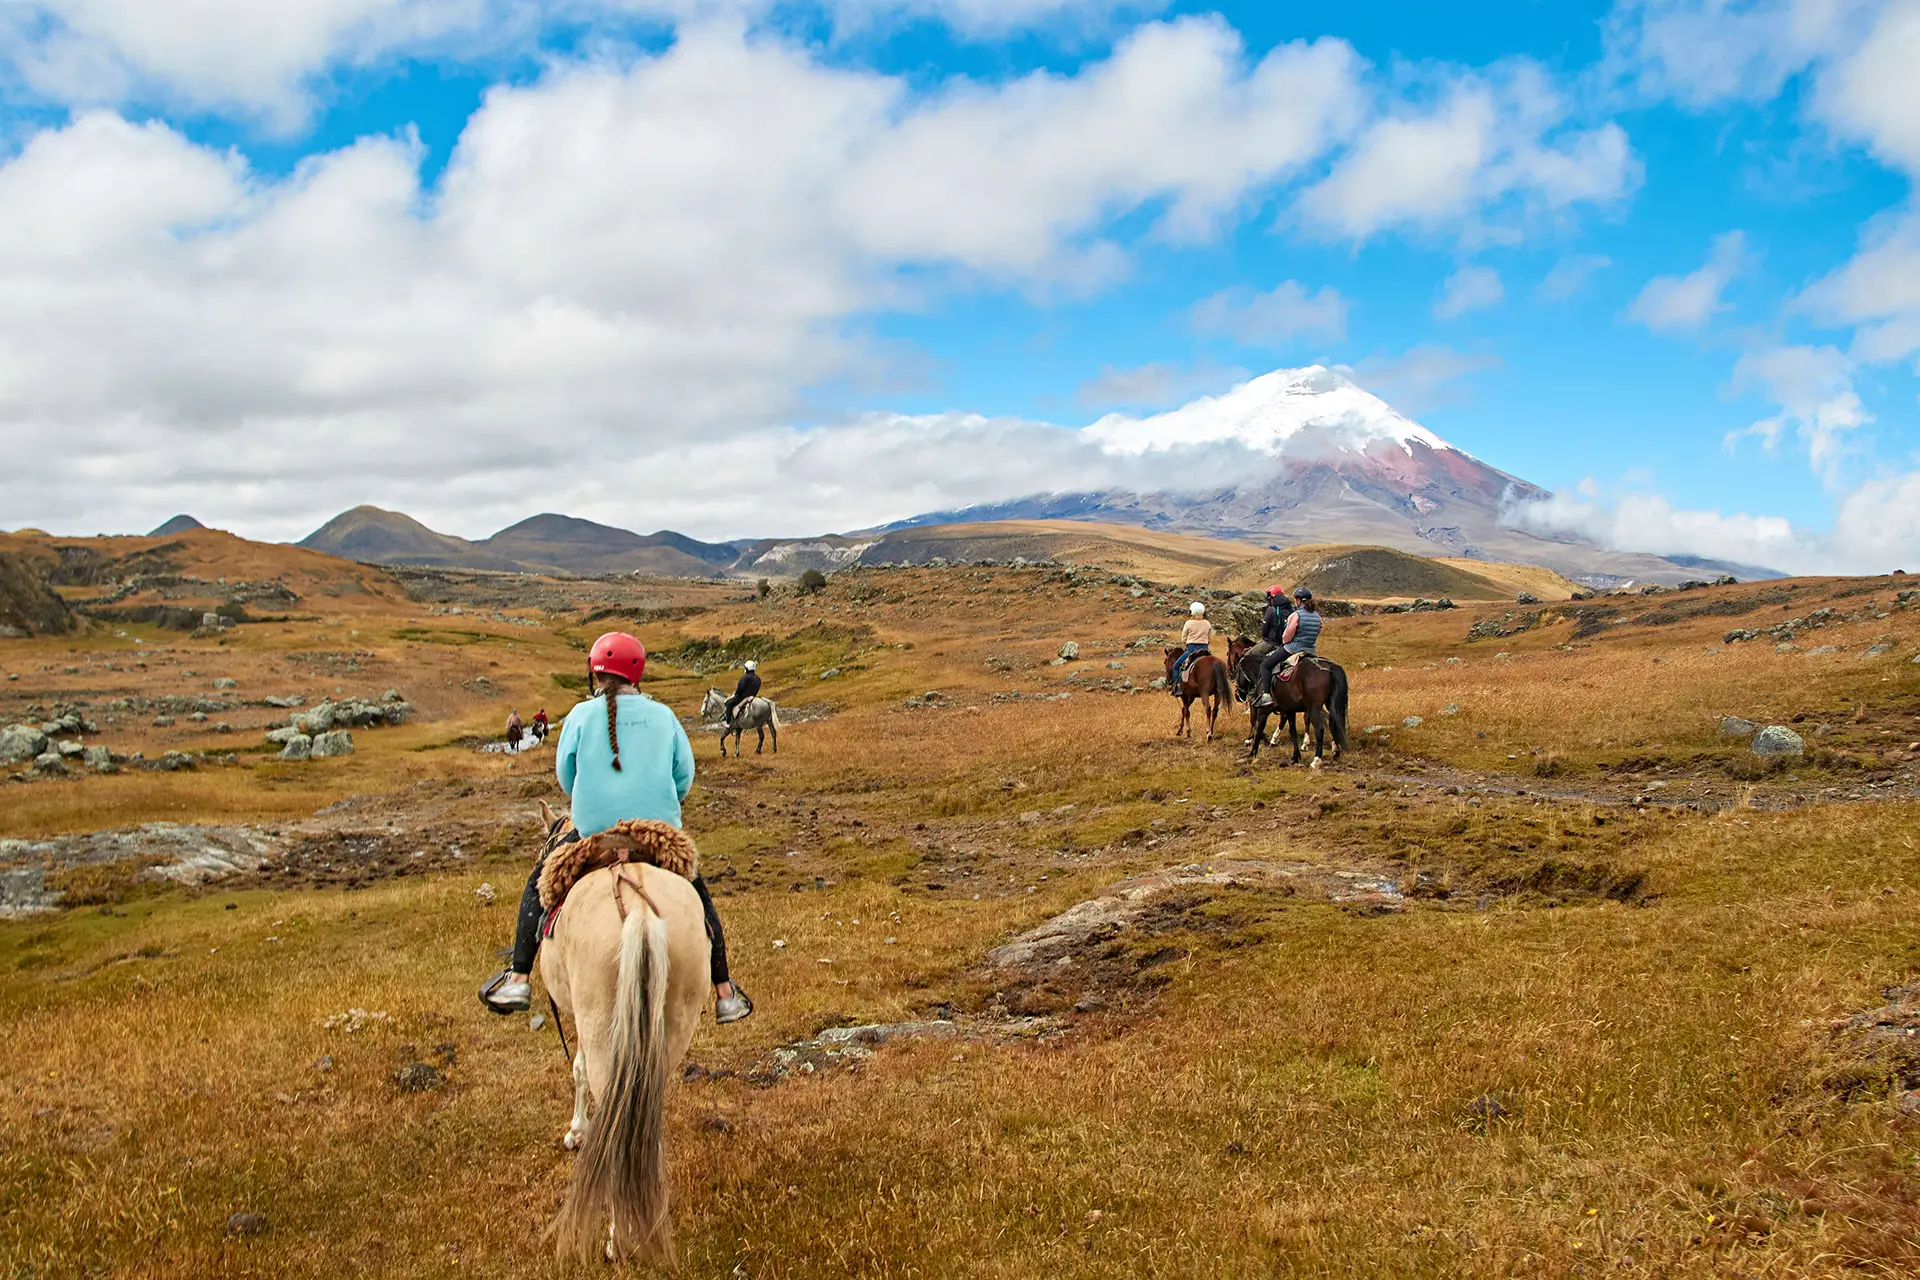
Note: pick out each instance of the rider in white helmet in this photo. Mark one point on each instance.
(1197, 636)
(749, 687)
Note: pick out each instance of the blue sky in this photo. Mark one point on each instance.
(768, 263)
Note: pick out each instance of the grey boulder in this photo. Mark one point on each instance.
(298, 747)
(21, 742)
(1736, 727)
(1777, 740)
(337, 743)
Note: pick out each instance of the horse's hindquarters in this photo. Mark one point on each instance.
(635, 988)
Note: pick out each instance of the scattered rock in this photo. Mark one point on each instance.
(418, 1077)
(284, 701)
(1486, 1109)
(337, 743)
(1070, 651)
(1778, 741)
(1451, 709)
(537, 1022)
(97, 758)
(830, 673)
(226, 682)
(1526, 597)
(50, 764)
(1875, 650)
(20, 742)
(485, 894)
(246, 1224)
(297, 747)
(1411, 722)
(1736, 727)
(163, 722)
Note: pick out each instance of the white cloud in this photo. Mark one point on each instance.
(1878, 291)
(1274, 318)
(1491, 141)
(1422, 378)
(1814, 388)
(1678, 303)
(1707, 52)
(264, 58)
(1469, 289)
(1570, 275)
(1155, 385)
(1876, 528)
(617, 258)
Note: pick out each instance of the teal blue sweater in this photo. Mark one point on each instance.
(656, 764)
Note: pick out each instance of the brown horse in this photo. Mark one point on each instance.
(1205, 678)
(1318, 688)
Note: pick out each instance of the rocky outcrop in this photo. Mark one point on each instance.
(28, 606)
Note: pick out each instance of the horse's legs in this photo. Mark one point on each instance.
(776, 737)
(1213, 715)
(761, 744)
(1257, 721)
(577, 1131)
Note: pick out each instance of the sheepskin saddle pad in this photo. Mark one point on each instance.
(633, 840)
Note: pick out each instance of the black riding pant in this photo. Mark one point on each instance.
(1269, 665)
(526, 929)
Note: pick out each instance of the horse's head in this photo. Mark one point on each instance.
(551, 824)
(713, 704)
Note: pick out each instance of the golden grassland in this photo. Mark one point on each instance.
(1293, 1094)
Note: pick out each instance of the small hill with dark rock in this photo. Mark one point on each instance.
(181, 523)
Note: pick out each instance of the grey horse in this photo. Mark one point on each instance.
(754, 713)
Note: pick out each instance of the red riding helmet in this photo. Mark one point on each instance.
(1275, 590)
(619, 654)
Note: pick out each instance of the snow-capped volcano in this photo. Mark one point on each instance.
(1332, 462)
(1286, 411)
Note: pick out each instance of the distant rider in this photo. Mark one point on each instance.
(1197, 636)
(749, 687)
(513, 729)
(540, 725)
(1273, 634)
(648, 780)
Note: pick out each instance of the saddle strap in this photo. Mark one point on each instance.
(620, 877)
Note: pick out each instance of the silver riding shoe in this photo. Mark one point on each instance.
(510, 997)
(732, 1008)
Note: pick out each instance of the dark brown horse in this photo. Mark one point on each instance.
(1318, 688)
(1205, 678)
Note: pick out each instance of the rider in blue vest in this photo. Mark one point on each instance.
(1301, 635)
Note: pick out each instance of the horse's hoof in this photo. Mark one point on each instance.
(1314, 763)
(573, 1139)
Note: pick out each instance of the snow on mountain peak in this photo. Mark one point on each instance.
(1313, 410)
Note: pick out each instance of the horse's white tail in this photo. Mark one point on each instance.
(773, 709)
(622, 1168)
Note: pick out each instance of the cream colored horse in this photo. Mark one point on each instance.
(634, 988)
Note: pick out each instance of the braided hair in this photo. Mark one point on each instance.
(612, 693)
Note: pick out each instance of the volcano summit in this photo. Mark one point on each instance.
(1335, 464)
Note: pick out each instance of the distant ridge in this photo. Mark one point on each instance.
(546, 543)
(181, 523)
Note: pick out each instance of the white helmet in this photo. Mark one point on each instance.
(752, 665)
(1196, 609)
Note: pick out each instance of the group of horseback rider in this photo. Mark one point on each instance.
(1288, 630)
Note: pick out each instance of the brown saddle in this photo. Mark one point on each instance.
(634, 840)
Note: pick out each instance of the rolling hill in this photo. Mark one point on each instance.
(546, 543)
